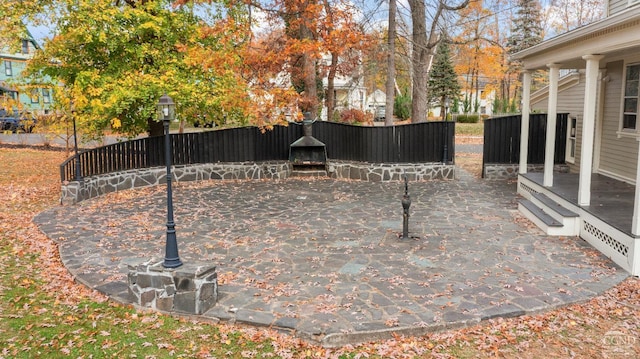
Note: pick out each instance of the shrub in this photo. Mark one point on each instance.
(402, 107)
(355, 116)
(468, 118)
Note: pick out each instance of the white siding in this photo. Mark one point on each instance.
(615, 6)
(618, 155)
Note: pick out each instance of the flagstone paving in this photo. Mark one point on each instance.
(323, 259)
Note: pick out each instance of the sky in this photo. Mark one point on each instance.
(374, 11)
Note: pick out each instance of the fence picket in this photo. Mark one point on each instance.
(502, 139)
(422, 142)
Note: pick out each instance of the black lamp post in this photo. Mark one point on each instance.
(406, 203)
(445, 150)
(78, 176)
(166, 113)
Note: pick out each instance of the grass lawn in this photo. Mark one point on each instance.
(45, 314)
(470, 129)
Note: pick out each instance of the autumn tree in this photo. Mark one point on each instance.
(480, 54)
(14, 14)
(116, 58)
(344, 41)
(305, 32)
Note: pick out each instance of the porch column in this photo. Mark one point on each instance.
(588, 128)
(524, 125)
(549, 151)
(635, 223)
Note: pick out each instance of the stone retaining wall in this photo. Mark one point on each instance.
(390, 171)
(77, 191)
(95, 186)
(502, 171)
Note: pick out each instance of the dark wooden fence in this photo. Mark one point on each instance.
(422, 142)
(502, 139)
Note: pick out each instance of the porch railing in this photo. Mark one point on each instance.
(422, 142)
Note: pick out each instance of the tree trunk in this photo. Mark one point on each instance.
(420, 59)
(331, 101)
(310, 97)
(423, 45)
(333, 67)
(156, 128)
(299, 26)
(391, 66)
(476, 108)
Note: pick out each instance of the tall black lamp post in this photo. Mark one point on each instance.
(166, 113)
(445, 150)
(78, 176)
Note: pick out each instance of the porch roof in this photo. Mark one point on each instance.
(6, 88)
(614, 36)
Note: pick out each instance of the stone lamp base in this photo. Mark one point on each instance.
(191, 288)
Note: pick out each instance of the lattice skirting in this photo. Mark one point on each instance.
(526, 188)
(611, 242)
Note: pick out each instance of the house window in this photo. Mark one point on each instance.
(46, 96)
(630, 102)
(25, 46)
(7, 68)
(570, 153)
(35, 98)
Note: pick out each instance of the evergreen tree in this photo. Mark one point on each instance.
(526, 31)
(527, 26)
(443, 79)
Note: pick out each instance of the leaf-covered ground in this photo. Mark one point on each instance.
(44, 313)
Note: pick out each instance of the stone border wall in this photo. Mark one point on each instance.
(90, 187)
(77, 191)
(502, 171)
(377, 172)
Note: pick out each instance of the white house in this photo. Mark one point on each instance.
(349, 92)
(599, 200)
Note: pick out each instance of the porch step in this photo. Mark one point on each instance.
(556, 210)
(546, 222)
(540, 217)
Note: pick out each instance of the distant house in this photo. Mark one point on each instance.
(376, 103)
(349, 92)
(485, 97)
(599, 200)
(376, 98)
(15, 94)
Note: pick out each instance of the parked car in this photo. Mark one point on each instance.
(202, 121)
(204, 124)
(379, 114)
(17, 123)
